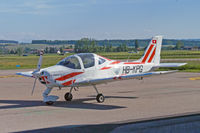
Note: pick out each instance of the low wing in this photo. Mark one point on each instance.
(134, 76)
(26, 74)
(170, 64)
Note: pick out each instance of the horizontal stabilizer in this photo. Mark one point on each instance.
(164, 72)
(170, 64)
(26, 74)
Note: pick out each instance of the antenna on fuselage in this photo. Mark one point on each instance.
(129, 56)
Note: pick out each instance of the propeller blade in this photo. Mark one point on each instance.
(40, 61)
(36, 73)
(33, 86)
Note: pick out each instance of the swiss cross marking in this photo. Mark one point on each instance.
(154, 41)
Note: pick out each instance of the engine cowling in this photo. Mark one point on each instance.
(41, 81)
(44, 77)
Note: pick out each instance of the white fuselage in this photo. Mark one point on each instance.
(110, 70)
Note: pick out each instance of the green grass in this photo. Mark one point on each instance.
(30, 62)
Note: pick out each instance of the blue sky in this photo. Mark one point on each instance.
(24, 20)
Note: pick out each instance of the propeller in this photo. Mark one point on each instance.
(33, 86)
(36, 73)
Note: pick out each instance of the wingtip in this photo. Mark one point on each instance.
(183, 64)
(18, 73)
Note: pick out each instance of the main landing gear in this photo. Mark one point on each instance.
(50, 99)
(68, 96)
(100, 97)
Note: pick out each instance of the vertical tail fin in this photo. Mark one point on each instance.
(152, 53)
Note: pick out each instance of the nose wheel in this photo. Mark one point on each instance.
(49, 100)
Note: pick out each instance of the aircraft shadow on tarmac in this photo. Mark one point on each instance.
(77, 104)
(182, 123)
(101, 128)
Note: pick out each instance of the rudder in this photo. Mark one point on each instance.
(152, 53)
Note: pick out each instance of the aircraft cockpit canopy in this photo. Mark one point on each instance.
(86, 60)
(70, 62)
(101, 60)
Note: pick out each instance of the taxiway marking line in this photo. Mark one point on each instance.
(194, 78)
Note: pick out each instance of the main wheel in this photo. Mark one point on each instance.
(49, 103)
(100, 98)
(68, 96)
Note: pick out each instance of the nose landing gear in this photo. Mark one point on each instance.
(49, 100)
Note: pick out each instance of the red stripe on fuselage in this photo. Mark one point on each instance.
(115, 62)
(147, 54)
(104, 68)
(133, 63)
(152, 55)
(68, 76)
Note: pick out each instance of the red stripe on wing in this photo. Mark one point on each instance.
(68, 83)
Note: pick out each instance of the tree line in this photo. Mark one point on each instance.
(90, 45)
(115, 43)
(86, 45)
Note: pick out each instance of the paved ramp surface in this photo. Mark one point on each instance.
(183, 123)
(130, 100)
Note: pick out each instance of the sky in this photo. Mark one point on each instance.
(26, 20)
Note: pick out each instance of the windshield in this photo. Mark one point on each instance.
(71, 62)
(87, 59)
(101, 61)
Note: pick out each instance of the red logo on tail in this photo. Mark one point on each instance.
(154, 41)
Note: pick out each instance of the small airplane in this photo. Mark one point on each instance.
(89, 69)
